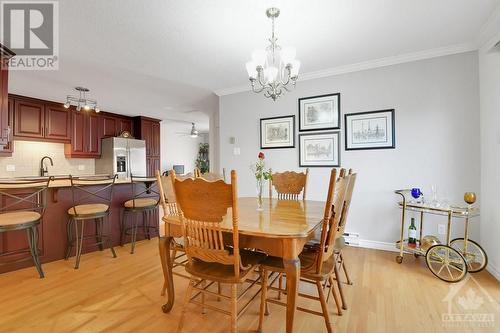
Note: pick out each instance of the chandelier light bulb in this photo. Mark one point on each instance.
(97, 110)
(66, 105)
(288, 55)
(78, 107)
(251, 69)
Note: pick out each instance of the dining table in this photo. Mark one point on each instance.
(281, 229)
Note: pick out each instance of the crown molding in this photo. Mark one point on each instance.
(370, 64)
(489, 34)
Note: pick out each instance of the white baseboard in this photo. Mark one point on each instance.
(385, 246)
(493, 271)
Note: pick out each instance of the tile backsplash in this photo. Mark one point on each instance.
(25, 161)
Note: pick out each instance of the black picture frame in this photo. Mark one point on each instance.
(392, 131)
(291, 118)
(302, 127)
(319, 134)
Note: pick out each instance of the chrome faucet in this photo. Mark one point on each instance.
(43, 169)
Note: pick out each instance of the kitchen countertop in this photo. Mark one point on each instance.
(60, 180)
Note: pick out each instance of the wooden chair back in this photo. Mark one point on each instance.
(91, 190)
(24, 195)
(347, 203)
(333, 208)
(144, 188)
(289, 184)
(212, 176)
(204, 205)
(167, 195)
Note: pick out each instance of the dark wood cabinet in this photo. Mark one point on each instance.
(125, 124)
(148, 129)
(85, 137)
(29, 119)
(57, 122)
(109, 124)
(5, 129)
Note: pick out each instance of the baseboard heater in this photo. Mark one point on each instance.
(351, 238)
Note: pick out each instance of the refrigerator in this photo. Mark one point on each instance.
(122, 156)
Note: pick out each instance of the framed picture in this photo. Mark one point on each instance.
(319, 112)
(370, 130)
(319, 149)
(277, 132)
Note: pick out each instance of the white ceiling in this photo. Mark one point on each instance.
(161, 58)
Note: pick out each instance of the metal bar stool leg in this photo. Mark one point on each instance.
(69, 237)
(79, 242)
(108, 237)
(98, 233)
(134, 232)
(32, 234)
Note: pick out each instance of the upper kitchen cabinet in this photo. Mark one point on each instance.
(57, 122)
(5, 129)
(41, 120)
(85, 136)
(148, 129)
(112, 125)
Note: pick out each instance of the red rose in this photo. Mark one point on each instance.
(261, 155)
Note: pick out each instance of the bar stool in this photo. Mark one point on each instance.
(144, 201)
(22, 207)
(91, 201)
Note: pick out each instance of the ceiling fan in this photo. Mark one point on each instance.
(194, 132)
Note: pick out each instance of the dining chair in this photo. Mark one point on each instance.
(340, 243)
(317, 264)
(171, 209)
(204, 205)
(144, 203)
(91, 198)
(289, 184)
(22, 207)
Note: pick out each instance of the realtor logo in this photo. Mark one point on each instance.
(31, 30)
(469, 305)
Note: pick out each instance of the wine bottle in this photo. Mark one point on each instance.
(412, 234)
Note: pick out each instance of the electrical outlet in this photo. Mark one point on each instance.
(236, 151)
(10, 167)
(81, 167)
(441, 229)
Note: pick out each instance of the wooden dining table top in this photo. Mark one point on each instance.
(278, 219)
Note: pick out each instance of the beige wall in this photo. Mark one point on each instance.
(27, 155)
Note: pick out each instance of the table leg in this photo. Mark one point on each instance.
(292, 269)
(166, 264)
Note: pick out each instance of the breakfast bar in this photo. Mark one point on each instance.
(52, 234)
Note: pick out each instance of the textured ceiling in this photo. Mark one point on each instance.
(163, 58)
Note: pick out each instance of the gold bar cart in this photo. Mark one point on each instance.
(451, 261)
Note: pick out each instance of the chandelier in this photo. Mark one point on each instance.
(275, 69)
(81, 101)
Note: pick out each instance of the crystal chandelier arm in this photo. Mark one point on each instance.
(289, 74)
(254, 89)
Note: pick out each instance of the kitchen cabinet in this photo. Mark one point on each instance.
(114, 125)
(148, 129)
(5, 129)
(29, 119)
(40, 120)
(57, 122)
(85, 137)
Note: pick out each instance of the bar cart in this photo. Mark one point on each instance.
(449, 262)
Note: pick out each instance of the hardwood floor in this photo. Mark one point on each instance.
(123, 295)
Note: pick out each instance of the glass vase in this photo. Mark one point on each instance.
(260, 185)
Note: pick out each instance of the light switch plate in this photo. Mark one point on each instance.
(236, 151)
(81, 167)
(10, 167)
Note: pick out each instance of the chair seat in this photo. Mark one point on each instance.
(20, 217)
(140, 203)
(225, 273)
(307, 259)
(88, 209)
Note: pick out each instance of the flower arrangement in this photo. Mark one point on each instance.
(261, 175)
